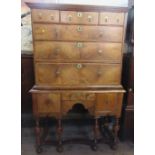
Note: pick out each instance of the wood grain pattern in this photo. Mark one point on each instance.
(109, 18)
(77, 33)
(78, 96)
(78, 51)
(46, 103)
(78, 60)
(41, 15)
(109, 104)
(75, 17)
(76, 74)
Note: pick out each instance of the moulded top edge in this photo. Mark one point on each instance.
(77, 7)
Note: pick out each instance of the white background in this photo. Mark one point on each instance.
(10, 78)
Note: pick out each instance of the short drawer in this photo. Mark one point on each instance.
(78, 51)
(73, 17)
(77, 74)
(41, 15)
(46, 103)
(78, 96)
(110, 18)
(77, 33)
(109, 103)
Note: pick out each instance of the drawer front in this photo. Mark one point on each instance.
(47, 103)
(77, 33)
(109, 103)
(56, 50)
(78, 96)
(77, 74)
(109, 18)
(40, 15)
(73, 17)
(85, 51)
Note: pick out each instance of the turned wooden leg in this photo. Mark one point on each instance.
(96, 132)
(45, 129)
(116, 129)
(59, 136)
(38, 137)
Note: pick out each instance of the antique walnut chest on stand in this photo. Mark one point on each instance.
(77, 59)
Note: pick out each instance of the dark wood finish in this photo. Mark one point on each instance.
(27, 81)
(38, 136)
(127, 123)
(78, 61)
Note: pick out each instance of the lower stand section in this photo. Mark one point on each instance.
(109, 136)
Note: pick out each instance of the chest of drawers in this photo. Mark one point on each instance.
(77, 59)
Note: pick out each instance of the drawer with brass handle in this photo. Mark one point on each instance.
(77, 33)
(110, 18)
(74, 17)
(78, 51)
(76, 74)
(43, 16)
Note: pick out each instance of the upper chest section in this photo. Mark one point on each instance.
(78, 17)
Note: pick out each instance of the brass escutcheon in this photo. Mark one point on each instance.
(79, 29)
(78, 66)
(79, 14)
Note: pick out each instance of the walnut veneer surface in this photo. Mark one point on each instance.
(77, 59)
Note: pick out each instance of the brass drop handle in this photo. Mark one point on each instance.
(100, 51)
(79, 45)
(52, 17)
(117, 20)
(43, 30)
(106, 19)
(89, 18)
(79, 29)
(79, 66)
(56, 32)
(70, 17)
(79, 14)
